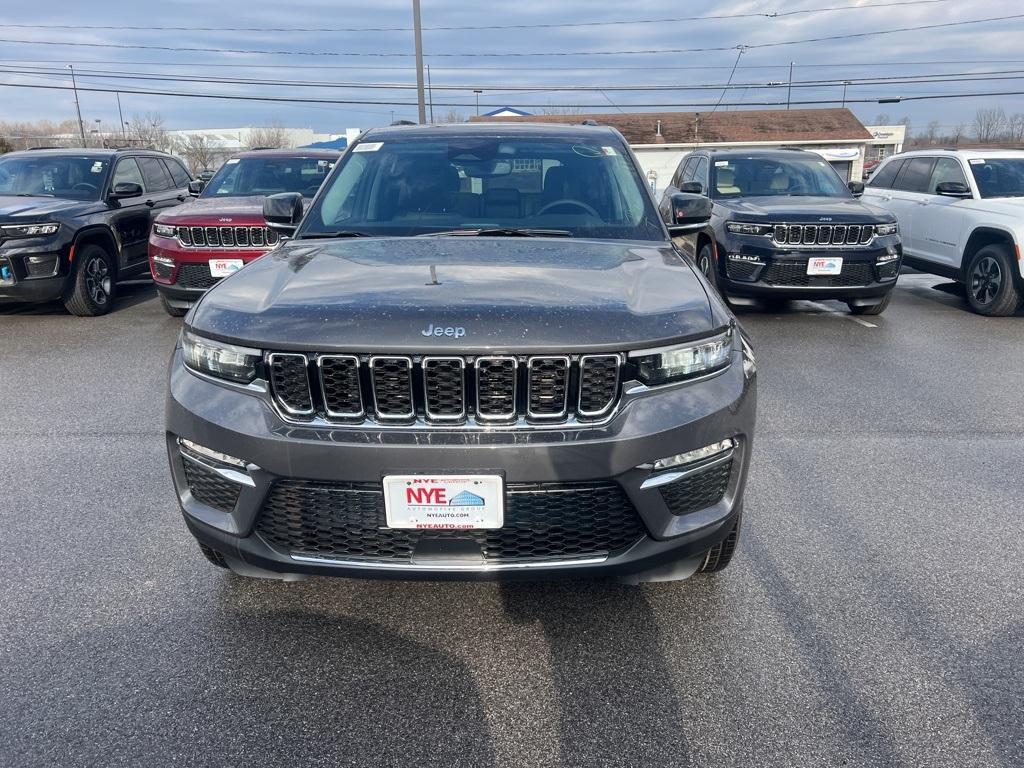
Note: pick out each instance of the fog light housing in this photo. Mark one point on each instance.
(691, 457)
(41, 266)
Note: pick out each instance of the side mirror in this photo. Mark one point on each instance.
(952, 189)
(196, 187)
(126, 189)
(688, 212)
(857, 187)
(283, 211)
(691, 187)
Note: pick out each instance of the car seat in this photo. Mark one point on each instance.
(725, 182)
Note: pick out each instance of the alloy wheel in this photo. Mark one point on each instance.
(705, 265)
(986, 280)
(97, 280)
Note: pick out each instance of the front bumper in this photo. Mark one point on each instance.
(182, 275)
(33, 272)
(649, 425)
(747, 267)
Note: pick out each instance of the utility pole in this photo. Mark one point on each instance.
(477, 92)
(789, 88)
(430, 91)
(120, 114)
(845, 83)
(78, 109)
(418, 32)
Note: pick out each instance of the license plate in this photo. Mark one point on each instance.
(444, 502)
(825, 266)
(225, 267)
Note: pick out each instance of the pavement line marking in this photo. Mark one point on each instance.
(862, 321)
(829, 311)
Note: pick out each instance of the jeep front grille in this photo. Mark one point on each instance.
(822, 234)
(486, 390)
(227, 237)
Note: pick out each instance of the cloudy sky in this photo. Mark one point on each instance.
(601, 49)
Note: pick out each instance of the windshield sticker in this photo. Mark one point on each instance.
(721, 163)
(608, 151)
(232, 161)
(584, 151)
(370, 146)
(976, 161)
(97, 167)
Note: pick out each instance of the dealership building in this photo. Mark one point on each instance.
(661, 139)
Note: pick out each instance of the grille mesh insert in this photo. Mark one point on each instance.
(549, 386)
(697, 491)
(289, 376)
(794, 273)
(210, 488)
(339, 381)
(444, 387)
(392, 386)
(823, 234)
(347, 521)
(196, 276)
(599, 383)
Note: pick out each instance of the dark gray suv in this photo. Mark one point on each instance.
(479, 355)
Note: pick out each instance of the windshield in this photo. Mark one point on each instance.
(762, 177)
(243, 176)
(68, 176)
(999, 176)
(425, 185)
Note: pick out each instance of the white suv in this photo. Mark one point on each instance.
(961, 215)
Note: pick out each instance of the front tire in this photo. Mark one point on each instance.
(170, 309)
(871, 309)
(706, 264)
(92, 292)
(720, 555)
(991, 287)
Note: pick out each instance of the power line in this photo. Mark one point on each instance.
(520, 54)
(663, 105)
(938, 78)
(450, 28)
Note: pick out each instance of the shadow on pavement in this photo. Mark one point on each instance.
(129, 294)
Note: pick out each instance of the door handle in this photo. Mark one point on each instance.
(150, 203)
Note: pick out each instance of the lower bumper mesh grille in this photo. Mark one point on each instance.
(210, 488)
(347, 521)
(196, 276)
(794, 274)
(697, 491)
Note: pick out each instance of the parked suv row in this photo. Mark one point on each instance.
(74, 222)
(961, 216)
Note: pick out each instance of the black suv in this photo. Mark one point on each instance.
(74, 221)
(787, 227)
(478, 356)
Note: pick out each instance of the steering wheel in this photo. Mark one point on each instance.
(311, 191)
(567, 201)
(84, 186)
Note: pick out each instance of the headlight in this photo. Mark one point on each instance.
(215, 358)
(164, 230)
(685, 361)
(881, 230)
(743, 228)
(29, 230)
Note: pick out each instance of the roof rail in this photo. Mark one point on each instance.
(33, 149)
(589, 121)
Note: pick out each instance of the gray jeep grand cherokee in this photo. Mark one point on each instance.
(478, 356)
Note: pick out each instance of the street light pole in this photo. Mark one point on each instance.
(418, 33)
(845, 83)
(430, 91)
(789, 88)
(78, 109)
(477, 92)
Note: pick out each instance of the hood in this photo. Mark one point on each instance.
(515, 294)
(211, 211)
(812, 209)
(15, 209)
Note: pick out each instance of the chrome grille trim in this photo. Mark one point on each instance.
(425, 365)
(274, 387)
(323, 388)
(511, 414)
(259, 238)
(615, 388)
(530, 384)
(822, 235)
(405, 415)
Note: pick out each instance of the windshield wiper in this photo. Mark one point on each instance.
(501, 232)
(32, 194)
(338, 233)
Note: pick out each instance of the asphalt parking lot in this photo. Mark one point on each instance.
(873, 617)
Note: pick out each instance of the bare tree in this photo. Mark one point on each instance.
(273, 136)
(147, 130)
(23, 135)
(451, 116)
(958, 133)
(931, 132)
(1016, 127)
(197, 151)
(561, 111)
(883, 119)
(5, 146)
(989, 124)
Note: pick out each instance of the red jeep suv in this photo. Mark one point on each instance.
(194, 246)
